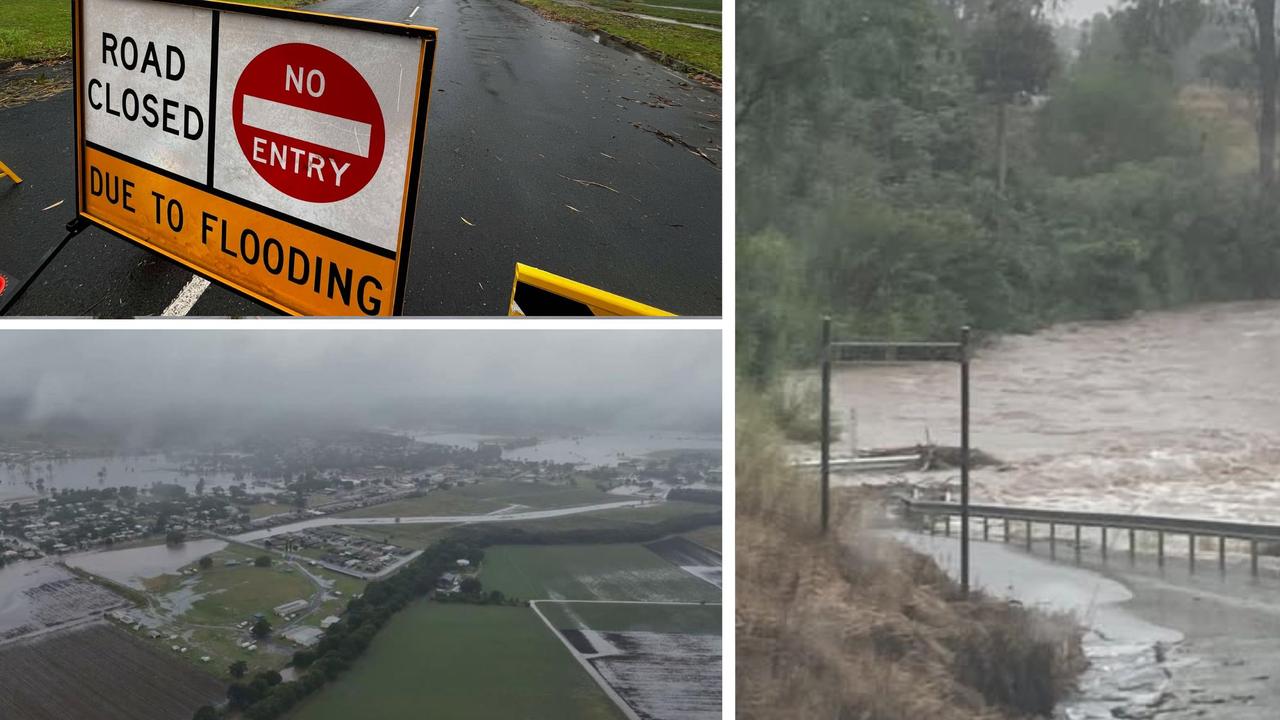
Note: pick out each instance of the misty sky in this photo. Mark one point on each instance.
(525, 380)
(1077, 10)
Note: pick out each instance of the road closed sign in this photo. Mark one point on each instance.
(274, 151)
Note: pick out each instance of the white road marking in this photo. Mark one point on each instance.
(415, 12)
(187, 298)
(331, 131)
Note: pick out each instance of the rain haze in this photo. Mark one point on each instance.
(137, 383)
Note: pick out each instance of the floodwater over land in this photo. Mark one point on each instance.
(24, 479)
(605, 449)
(1161, 643)
(1174, 413)
(131, 566)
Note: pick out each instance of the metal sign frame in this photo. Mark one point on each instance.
(428, 37)
(900, 352)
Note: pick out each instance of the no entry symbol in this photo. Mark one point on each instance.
(308, 122)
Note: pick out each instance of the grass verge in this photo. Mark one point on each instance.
(41, 29)
(673, 13)
(690, 49)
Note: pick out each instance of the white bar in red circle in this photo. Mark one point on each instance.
(331, 131)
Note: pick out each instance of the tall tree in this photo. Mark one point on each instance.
(1010, 54)
(1265, 14)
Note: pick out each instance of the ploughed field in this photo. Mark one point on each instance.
(97, 672)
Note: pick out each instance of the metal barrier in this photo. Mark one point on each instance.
(1193, 528)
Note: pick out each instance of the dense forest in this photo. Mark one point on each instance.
(910, 166)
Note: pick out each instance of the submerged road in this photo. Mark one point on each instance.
(521, 109)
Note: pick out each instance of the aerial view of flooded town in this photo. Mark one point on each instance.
(314, 568)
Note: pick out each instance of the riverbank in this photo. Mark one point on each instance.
(1160, 642)
(847, 625)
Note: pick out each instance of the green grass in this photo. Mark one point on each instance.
(709, 537)
(41, 29)
(694, 46)
(484, 498)
(417, 537)
(690, 16)
(630, 617)
(700, 4)
(232, 594)
(462, 661)
(259, 510)
(589, 572)
(34, 29)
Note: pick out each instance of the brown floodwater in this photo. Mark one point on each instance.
(1172, 412)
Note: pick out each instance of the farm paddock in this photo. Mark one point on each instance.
(98, 672)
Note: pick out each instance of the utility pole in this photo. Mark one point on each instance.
(964, 461)
(826, 420)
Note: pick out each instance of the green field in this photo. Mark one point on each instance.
(630, 617)
(709, 537)
(485, 498)
(259, 510)
(232, 594)
(589, 572)
(462, 661)
(228, 595)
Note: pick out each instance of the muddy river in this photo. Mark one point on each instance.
(1167, 413)
(1172, 413)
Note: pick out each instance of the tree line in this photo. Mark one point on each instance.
(911, 166)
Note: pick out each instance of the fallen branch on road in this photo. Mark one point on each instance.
(673, 139)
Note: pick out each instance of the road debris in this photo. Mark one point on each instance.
(589, 183)
(674, 139)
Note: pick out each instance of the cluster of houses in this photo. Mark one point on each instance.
(59, 527)
(337, 549)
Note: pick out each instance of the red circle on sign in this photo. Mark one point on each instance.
(308, 122)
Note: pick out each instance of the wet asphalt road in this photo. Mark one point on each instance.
(518, 105)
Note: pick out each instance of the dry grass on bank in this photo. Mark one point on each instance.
(849, 626)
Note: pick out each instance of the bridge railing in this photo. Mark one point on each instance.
(1193, 528)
